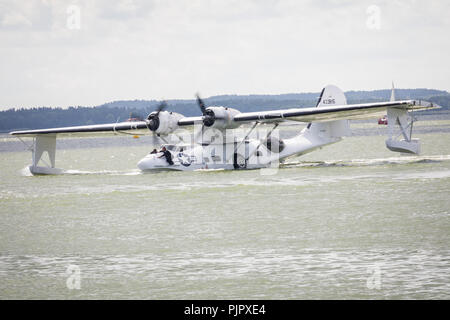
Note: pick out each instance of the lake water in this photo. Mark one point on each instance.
(350, 221)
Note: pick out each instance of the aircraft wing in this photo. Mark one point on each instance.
(331, 113)
(108, 127)
(190, 121)
(321, 114)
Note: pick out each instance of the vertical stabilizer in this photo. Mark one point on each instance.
(331, 96)
(331, 130)
(393, 92)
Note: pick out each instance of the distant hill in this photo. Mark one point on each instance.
(281, 100)
(36, 118)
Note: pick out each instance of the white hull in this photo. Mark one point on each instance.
(252, 154)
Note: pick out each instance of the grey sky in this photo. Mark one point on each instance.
(133, 49)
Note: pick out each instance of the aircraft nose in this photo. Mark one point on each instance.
(147, 162)
(142, 164)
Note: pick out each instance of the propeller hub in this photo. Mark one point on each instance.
(153, 118)
(153, 122)
(209, 118)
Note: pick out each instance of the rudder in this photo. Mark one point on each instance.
(329, 97)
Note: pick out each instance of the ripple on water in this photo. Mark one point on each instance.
(403, 273)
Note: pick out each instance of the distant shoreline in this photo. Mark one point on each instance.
(44, 117)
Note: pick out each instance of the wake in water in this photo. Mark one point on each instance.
(105, 172)
(27, 173)
(368, 162)
(292, 164)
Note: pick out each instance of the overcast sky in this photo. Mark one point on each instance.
(68, 53)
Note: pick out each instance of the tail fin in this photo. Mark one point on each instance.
(329, 97)
(392, 92)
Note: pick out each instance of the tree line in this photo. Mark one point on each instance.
(45, 117)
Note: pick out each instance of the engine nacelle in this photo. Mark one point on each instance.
(164, 122)
(221, 118)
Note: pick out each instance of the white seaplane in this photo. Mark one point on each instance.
(328, 122)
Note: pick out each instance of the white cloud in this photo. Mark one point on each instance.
(15, 20)
(173, 48)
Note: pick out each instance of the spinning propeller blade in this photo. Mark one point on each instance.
(153, 118)
(161, 107)
(155, 139)
(201, 104)
(209, 116)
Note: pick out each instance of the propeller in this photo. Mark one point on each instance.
(208, 115)
(155, 139)
(153, 118)
(209, 118)
(201, 104)
(161, 107)
(153, 122)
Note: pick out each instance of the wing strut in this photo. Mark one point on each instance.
(236, 147)
(263, 140)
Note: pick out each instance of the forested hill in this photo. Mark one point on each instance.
(36, 118)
